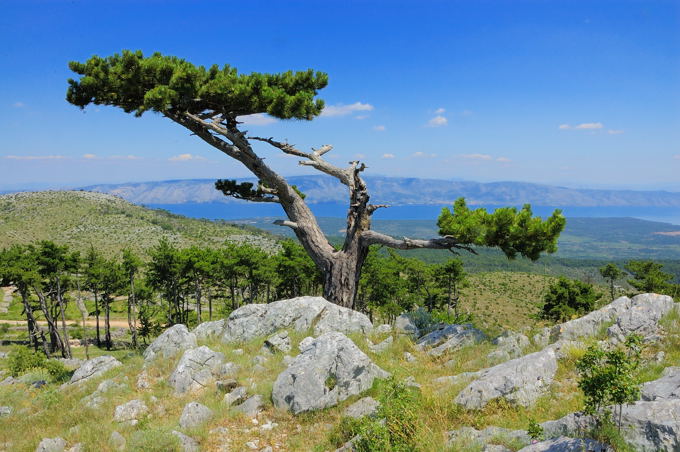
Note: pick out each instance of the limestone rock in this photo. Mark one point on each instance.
(510, 345)
(647, 426)
(93, 368)
(409, 357)
(449, 338)
(667, 387)
(117, 441)
(382, 346)
(172, 341)
(187, 443)
(97, 398)
(252, 406)
(455, 379)
(327, 371)
(521, 381)
(51, 445)
(196, 369)
(5, 411)
(236, 396)
(226, 385)
(208, 330)
(405, 324)
(367, 406)
(642, 318)
(383, 329)
(279, 342)
(129, 413)
(194, 415)
(228, 370)
(566, 444)
(300, 314)
(590, 324)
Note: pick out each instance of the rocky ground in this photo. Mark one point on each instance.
(283, 376)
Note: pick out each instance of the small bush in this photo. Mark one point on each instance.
(57, 370)
(567, 298)
(21, 359)
(4, 328)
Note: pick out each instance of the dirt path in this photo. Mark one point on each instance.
(89, 322)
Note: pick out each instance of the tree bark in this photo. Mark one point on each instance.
(66, 352)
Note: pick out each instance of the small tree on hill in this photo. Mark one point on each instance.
(566, 298)
(648, 277)
(209, 101)
(611, 272)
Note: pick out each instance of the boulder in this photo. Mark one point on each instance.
(521, 381)
(194, 414)
(236, 396)
(510, 345)
(405, 324)
(93, 368)
(300, 314)
(409, 357)
(566, 444)
(51, 445)
(329, 370)
(196, 369)
(5, 411)
(117, 441)
(175, 339)
(279, 342)
(186, 443)
(642, 318)
(591, 323)
(252, 406)
(226, 385)
(450, 338)
(382, 346)
(383, 329)
(97, 398)
(129, 413)
(647, 426)
(367, 406)
(208, 330)
(667, 387)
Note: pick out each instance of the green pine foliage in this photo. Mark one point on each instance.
(567, 298)
(161, 83)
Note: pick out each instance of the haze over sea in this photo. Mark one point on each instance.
(235, 211)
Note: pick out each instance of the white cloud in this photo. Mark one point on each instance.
(185, 158)
(360, 117)
(420, 154)
(440, 111)
(343, 110)
(128, 157)
(388, 156)
(258, 119)
(35, 157)
(503, 160)
(437, 121)
(18, 104)
(614, 132)
(89, 156)
(476, 156)
(582, 126)
(379, 128)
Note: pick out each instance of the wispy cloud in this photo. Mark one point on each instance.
(614, 132)
(343, 110)
(503, 160)
(437, 121)
(186, 158)
(89, 156)
(420, 154)
(360, 117)
(35, 157)
(440, 111)
(379, 128)
(18, 104)
(257, 119)
(129, 157)
(582, 126)
(388, 156)
(476, 156)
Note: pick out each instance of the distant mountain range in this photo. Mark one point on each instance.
(400, 191)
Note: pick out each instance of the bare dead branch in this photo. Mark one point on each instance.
(443, 243)
(285, 147)
(291, 224)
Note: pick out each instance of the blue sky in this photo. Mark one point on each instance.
(576, 93)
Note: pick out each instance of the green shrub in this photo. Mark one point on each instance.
(395, 426)
(535, 430)
(21, 359)
(57, 370)
(567, 298)
(4, 328)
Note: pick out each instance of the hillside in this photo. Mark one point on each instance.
(402, 191)
(81, 219)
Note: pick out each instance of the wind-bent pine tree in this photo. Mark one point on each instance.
(209, 101)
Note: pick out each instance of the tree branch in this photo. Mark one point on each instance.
(373, 207)
(291, 224)
(285, 147)
(443, 243)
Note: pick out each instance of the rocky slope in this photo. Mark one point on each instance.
(283, 376)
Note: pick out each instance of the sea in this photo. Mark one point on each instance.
(237, 211)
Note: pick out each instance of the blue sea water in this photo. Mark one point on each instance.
(216, 210)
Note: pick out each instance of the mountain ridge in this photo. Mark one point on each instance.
(400, 191)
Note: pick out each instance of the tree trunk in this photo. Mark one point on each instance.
(96, 313)
(132, 316)
(30, 319)
(198, 302)
(66, 352)
(341, 278)
(55, 339)
(107, 323)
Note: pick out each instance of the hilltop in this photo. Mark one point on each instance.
(81, 219)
